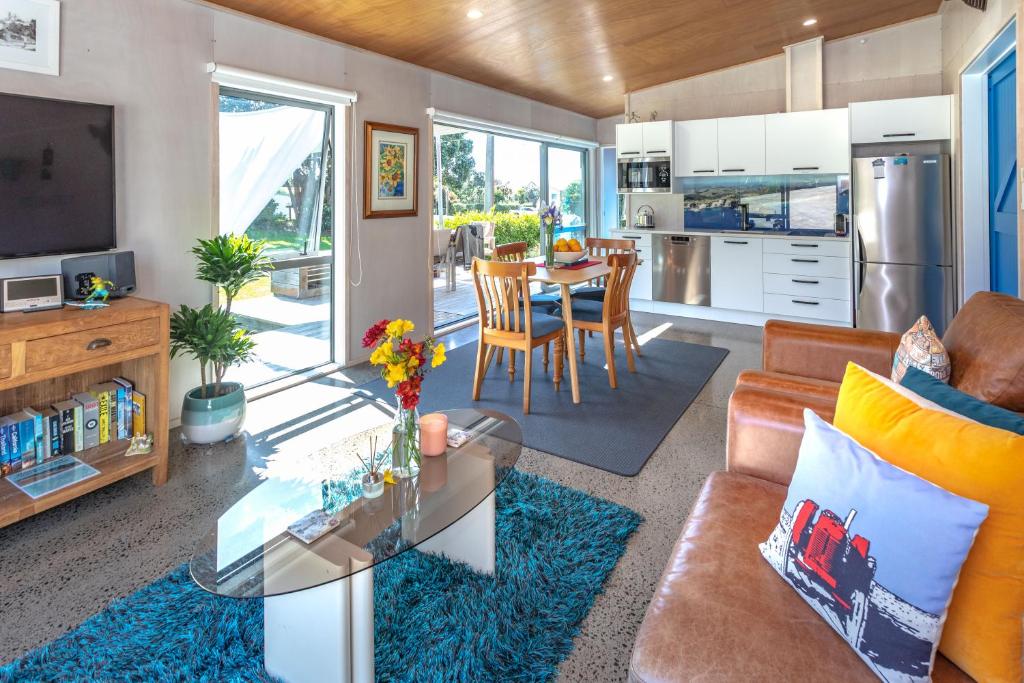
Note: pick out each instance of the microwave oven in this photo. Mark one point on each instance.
(645, 174)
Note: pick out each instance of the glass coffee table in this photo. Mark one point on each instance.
(318, 607)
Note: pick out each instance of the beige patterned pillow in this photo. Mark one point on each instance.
(921, 348)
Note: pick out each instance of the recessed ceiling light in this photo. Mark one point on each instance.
(607, 78)
(810, 22)
(474, 14)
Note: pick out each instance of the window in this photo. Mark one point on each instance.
(276, 184)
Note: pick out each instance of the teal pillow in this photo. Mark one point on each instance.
(937, 391)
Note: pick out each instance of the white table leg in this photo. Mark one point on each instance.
(323, 633)
(470, 540)
(570, 342)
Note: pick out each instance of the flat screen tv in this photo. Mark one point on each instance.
(56, 177)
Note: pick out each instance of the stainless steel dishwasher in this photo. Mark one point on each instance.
(682, 273)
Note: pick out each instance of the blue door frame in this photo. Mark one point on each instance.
(1002, 175)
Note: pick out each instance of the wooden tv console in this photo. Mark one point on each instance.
(47, 356)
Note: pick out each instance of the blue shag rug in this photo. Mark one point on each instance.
(434, 619)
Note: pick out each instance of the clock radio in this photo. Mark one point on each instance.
(37, 293)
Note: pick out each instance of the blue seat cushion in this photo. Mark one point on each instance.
(543, 324)
(546, 302)
(583, 309)
(589, 293)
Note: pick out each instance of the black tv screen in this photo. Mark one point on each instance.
(56, 177)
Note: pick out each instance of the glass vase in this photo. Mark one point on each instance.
(405, 442)
(548, 235)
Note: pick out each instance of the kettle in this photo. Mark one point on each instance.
(644, 217)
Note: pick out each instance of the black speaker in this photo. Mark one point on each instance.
(116, 266)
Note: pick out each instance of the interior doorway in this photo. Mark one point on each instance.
(989, 168)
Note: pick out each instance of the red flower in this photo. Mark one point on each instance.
(409, 391)
(374, 333)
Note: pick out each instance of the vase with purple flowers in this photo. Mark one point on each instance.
(550, 219)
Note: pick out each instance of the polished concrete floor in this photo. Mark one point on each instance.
(60, 567)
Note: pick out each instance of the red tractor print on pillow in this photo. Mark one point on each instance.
(833, 563)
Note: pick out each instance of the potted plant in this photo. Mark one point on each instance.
(215, 410)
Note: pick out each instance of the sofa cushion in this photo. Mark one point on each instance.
(926, 386)
(984, 345)
(873, 549)
(921, 348)
(720, 613)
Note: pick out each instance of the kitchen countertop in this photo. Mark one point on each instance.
(730, 233)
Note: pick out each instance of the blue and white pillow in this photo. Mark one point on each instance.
(875, 550)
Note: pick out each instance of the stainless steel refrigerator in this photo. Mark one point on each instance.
(903, 242)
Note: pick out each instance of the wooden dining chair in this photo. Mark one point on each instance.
(514, 252)
(507, 321)
(610, 314)
(600, 246)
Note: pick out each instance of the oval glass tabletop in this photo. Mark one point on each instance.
(252, 553)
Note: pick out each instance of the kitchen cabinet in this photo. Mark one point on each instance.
(808, 279)
(696, 148)
(807, 142)
(650, 139)
(741, 145)
(643, 277)
(736, 272)
(914, 118)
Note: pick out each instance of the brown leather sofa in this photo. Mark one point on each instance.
(720, 612)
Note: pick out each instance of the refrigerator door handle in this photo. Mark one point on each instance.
(863, 267)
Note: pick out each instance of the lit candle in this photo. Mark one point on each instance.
(434, 434)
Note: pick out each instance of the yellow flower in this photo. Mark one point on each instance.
(413, 363)
(382, 353)
(397, 328)
(438, 357)
(389, 478)
(395, 373)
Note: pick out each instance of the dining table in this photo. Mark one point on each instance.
(566, 278)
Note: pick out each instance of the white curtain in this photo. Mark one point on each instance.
(259, 150)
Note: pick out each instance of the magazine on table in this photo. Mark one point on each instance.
(52, 475)
(313, 526)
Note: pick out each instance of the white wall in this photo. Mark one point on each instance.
(965, 31)
(148, 59)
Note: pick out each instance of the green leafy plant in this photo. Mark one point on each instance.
(230, 262)
(508, 227)
(211, 335)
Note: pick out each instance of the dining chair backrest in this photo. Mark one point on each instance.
(504, 311)
(616, 298)
(511, 252)
(601, 246)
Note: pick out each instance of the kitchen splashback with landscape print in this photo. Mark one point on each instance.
(779, 203)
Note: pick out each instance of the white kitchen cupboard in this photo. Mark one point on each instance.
(643, 278)
(696, 148)
(913, 118)
(650, 139)
(808, 279)
(807, 142)
(629, 140)
(736, 273)
(741, 145)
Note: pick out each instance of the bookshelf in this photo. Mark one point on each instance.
(47, 356)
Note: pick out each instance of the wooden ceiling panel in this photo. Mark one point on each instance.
(557, 51)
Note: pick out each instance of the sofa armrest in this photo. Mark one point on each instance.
(765, 429)
(822, 351)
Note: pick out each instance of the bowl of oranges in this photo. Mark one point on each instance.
(568, 251)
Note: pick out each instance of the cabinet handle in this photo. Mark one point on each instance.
(97, 344)
(804, 260)
(898, 135)
(805, 245)
(805, 168)
(805, 303)
(733, 170)
(807, 282)
(627, 153)
(704, 170)
(735, 242)
(657, 151)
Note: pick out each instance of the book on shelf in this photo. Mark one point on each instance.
(102, 394)
(124, 407)
(26, 438)
(91, 419)
(138, 413)
(79, 427)
(6, 448)
(37, 433)
(66, 412)
(51, 432)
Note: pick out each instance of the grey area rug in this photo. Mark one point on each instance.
(615, 430)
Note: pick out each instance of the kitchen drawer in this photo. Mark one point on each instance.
(807, 307)
(800, 264)
(643, 239)
(804, 285)
(65, 349)
(808, 247)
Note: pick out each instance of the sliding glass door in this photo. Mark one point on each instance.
(276, 184)
(489, 190)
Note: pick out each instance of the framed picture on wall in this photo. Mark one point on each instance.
(30, 35)
(389, 171)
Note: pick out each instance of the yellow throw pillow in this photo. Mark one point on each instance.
(984, 632)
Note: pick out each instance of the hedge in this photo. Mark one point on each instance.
(508, 227)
